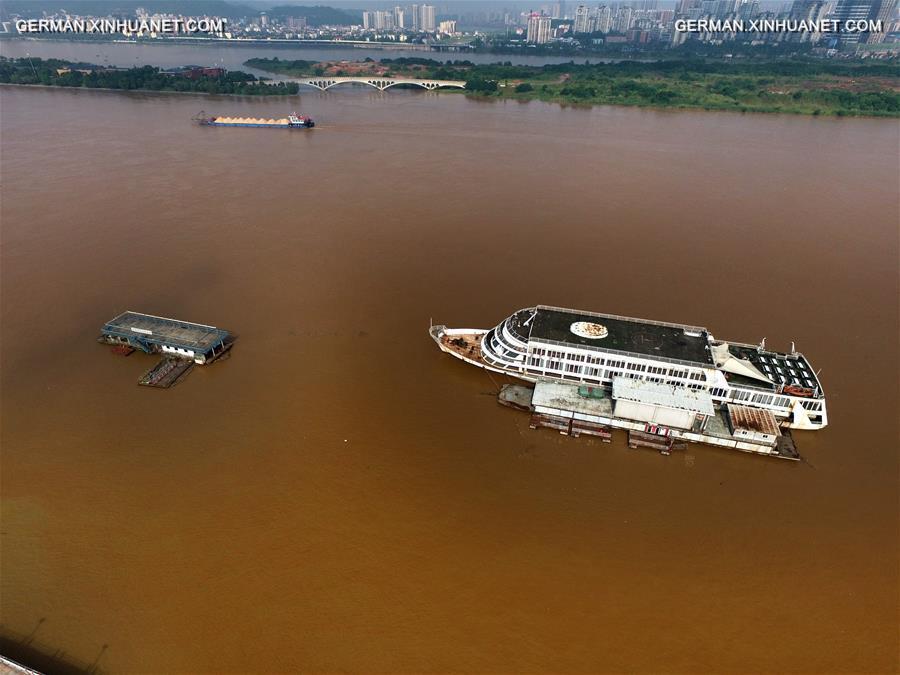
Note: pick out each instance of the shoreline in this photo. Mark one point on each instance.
(566, 103)
(388, 47)
(250, 42)
(476, 96)
(144, 91)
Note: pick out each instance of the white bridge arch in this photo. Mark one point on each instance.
(380, 83)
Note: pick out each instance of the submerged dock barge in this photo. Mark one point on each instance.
(655, 416)
(157, 334)
(181, 343)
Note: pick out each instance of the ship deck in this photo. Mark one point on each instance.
(466, 345)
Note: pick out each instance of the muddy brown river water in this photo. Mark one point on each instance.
(339, 495)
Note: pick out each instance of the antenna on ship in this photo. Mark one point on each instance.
(530, 318)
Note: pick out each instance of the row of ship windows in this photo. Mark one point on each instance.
(614, 369)
(574, 368)
(503, 349)
(600, 375)
(511, 338)
(718, 392)
(762, 399)
(540, 356)
(750, 397)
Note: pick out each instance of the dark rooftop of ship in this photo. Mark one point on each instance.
(652, 339)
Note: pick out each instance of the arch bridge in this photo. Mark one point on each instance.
(381, 83)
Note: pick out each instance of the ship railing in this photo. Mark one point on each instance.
(630, 355)
(684, 326)
(772, 389)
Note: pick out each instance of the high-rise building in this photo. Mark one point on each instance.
(812, 11)
(685, 6)
(426, 22)
(414, 17)
(447, 27)
(853, 10)
(623, 19)
(538, 32)
(583, 20)
(378, 20)
(887, 14)
(296, 23)
(604, 19)
(399, 17)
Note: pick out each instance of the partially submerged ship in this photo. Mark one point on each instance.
(292, 121)
(672, 379)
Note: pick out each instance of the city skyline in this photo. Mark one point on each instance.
(587, 26)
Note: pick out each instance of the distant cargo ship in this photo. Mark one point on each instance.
(554, 345)
(292, 121)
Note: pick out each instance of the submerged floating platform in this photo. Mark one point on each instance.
(154, 334)
(181, 343)
(574, 411)
(167, 372)
(665, 444)
(515, 396)
(571, 427)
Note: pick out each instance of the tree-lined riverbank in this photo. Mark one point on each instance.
(59, 73)
(803, 87)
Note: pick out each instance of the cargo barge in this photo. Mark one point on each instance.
(665, 379)
(292, 121)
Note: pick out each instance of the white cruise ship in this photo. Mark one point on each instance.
(544, 344)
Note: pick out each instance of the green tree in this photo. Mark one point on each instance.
(481, 85)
